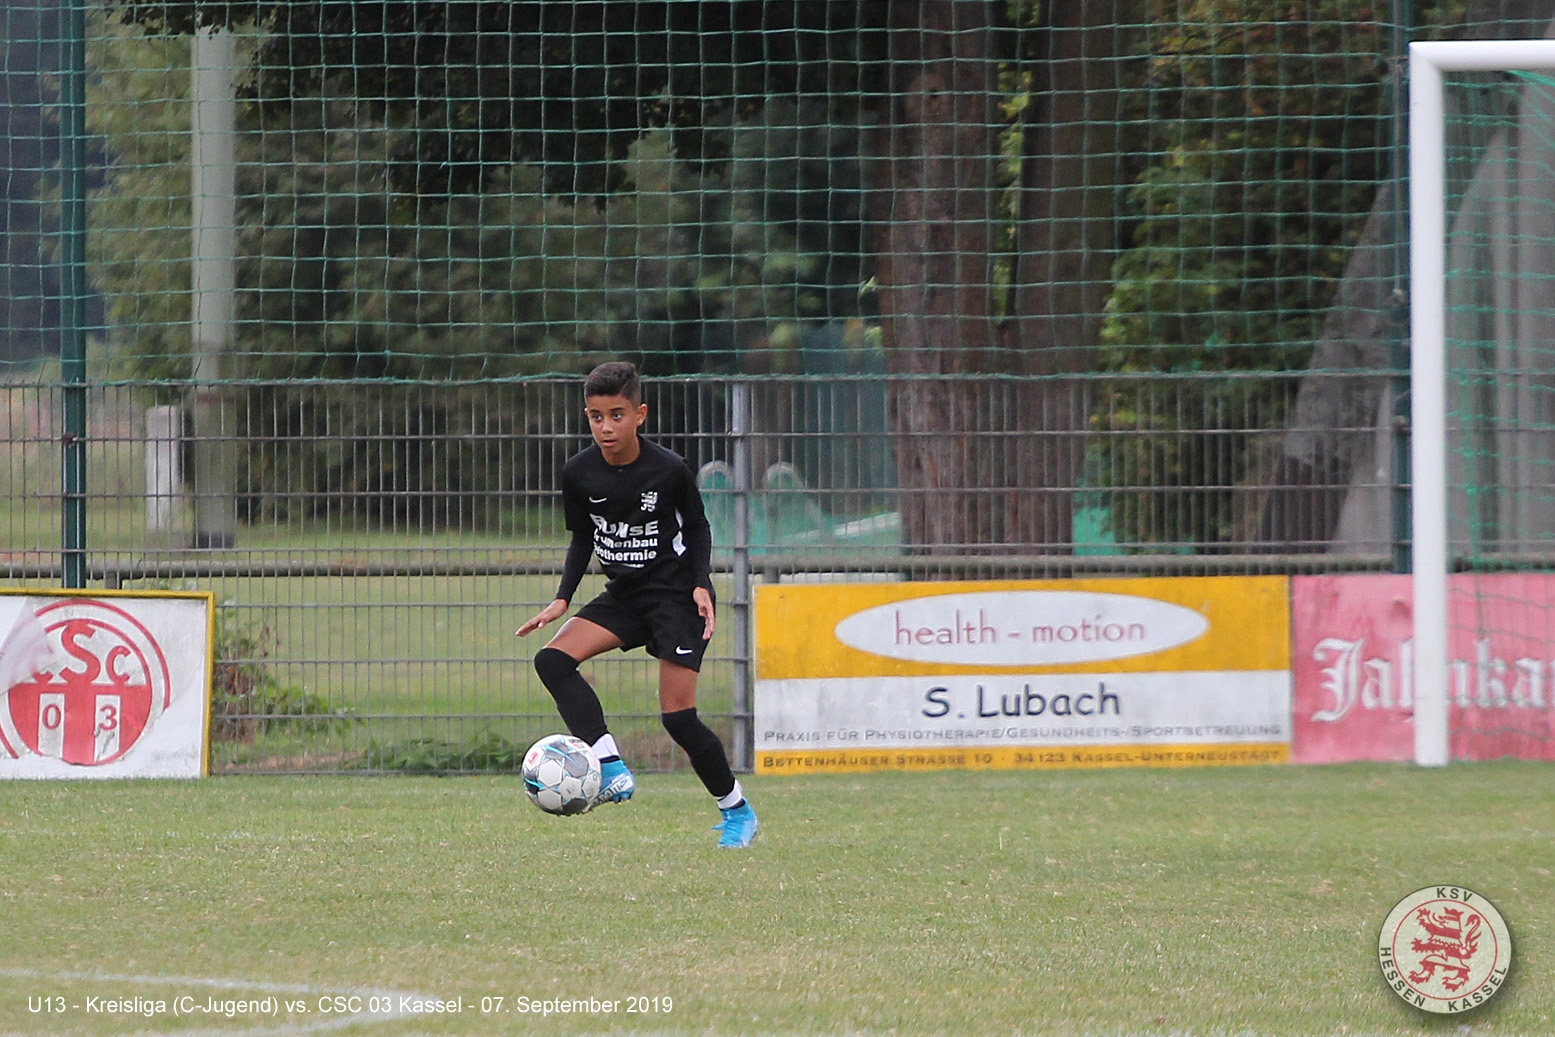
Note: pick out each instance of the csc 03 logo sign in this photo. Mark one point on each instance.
(1445, 949)
(106, 684)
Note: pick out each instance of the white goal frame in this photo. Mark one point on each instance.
(1428, 356)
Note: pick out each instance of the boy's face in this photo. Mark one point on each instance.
(614, 422)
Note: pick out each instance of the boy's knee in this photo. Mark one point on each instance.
(687, 729)
(554, 665)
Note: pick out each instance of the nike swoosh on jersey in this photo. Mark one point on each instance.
(598, 500)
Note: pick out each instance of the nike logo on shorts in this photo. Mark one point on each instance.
(682, 651)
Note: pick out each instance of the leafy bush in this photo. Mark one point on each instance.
(247, 699)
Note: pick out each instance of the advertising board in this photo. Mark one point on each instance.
(1114, 672)
(105, 684)
(1353, 648)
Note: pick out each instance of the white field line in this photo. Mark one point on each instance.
(278, 1029)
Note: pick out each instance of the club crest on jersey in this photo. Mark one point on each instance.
(650, 500)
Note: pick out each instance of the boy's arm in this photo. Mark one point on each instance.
(698, 534)
(699, 551)
(578, 552)
(579, 549)
(577, 563)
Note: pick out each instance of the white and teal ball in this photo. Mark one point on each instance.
(561, 774)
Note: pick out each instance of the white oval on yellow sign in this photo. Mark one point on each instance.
(1015, 628)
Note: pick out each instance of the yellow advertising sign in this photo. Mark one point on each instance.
(1022, 674)
(1142, 624)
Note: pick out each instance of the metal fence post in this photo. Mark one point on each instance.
(73, 289)
(739, 430)
(213, 171)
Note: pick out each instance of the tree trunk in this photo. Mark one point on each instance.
(936, 178)
(1065, 246)
(986, 461)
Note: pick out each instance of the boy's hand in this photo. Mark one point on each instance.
(704, 602)
(554, 611)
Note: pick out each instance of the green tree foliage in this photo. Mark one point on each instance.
(342, 277)
(345, 278)
(568, 86)
(1268, 130)
(139, 216)
(343, 274)
(713, 266)
(1267, 134)
(353, 299)
(339, 275)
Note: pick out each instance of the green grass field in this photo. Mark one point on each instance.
(1213, 901)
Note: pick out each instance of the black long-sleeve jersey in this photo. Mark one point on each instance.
(644, 521)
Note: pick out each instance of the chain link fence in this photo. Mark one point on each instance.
(367, 607)
(297, 300)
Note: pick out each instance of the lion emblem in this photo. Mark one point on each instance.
(1452, 938)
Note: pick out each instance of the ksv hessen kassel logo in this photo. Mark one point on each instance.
(1445, 949)
(105, 684)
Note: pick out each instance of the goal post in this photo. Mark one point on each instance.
(1428, 229)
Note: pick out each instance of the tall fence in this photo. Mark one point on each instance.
(367, 608)
(297, 300)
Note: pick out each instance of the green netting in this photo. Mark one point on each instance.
(987, 288)
(1501, 297)
(1145, 197)
(1500, 412)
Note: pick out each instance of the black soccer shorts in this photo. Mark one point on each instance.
(664, 622)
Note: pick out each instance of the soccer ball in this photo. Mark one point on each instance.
(561, 774)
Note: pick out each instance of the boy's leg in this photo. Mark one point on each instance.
(557, 664)
(677, 700)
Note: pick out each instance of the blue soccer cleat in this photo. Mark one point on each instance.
(616, 783)
(738, 827)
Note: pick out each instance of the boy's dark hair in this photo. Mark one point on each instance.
(616, 378)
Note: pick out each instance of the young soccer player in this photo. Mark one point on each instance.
(636, 506)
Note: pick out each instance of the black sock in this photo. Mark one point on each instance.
(575, 700)
(703, 747)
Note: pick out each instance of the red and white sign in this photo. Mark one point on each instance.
(1353, 667)
(104, 685)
